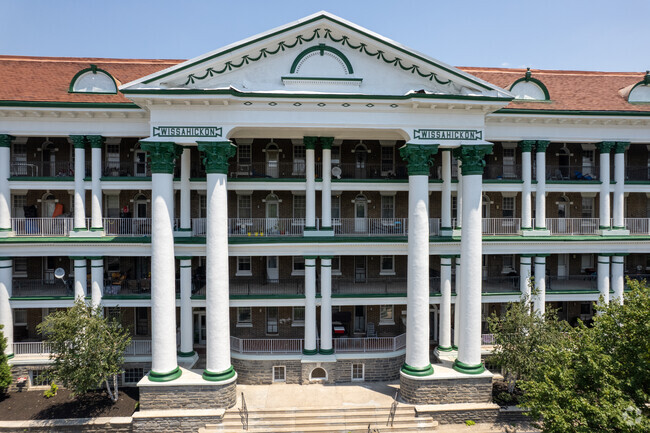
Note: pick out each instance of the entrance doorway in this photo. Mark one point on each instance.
(272, 160)
(199, 327)
(359, 319)
(361, 214)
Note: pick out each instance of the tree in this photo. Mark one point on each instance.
(5, 368)
(87, 348)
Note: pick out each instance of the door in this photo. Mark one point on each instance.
(49, 159)
(140, 163)
(272, 214)
(199, 327)
(360, 214)
(272, 161)
(359, 319)
(48, 270)
(509, 161)
(562, 266)
(360, 271)
(271, 320)
(563, 206)
(361, 158)
(272, 273)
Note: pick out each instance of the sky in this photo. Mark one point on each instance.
(603, 35)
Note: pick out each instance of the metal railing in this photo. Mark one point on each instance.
(572, 172)
(135, 348)
(24, 288)
(42, 169)
(266, 345)
(366, 345)
(127, 226)
(638, 226)
(573, 226)
(501, 226)
(393, 409)
(295, 345)
(266, 226)
(370, 226)
(243, 413)
(385, 285)
(502, 172)
(42, 226)
(572, 282)
(126, 169)
(641, 173)
(487, 339)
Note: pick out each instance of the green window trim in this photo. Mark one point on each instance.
(321, 48)
(94, 69)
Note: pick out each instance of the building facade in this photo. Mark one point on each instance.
(316, 202)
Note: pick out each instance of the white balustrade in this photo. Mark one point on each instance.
(42, 226)
(136, 347)
(487, 339)
(370, 226)
(348, 345)
(638, 226)
(573, 226)
(501, 226)
(434, 226)
(127, 226)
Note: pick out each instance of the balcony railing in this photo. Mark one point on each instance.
(573, 226)
(126, 169)
(27, 288)
(638, 226)
(127, 226)
(42, 226)
(295, 345)
(502, 172)
(638, 173)
(370, 226)
(135, 348)
(571, 172)
(42, 169)
(258, 287)
(572, 283)
(266, 226)
(501, 226)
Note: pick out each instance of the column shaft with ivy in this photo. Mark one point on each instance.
(471, 249)
(419, 161)
(79, 143)
(604, 148)
(96, 142)
(164, 365)
(5, 190)
(215, 158)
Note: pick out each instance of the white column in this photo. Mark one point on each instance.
(326, 193)
(326, 305)
(6, 313)
(527, 188)
(524, 276)
(540, 191)
(618, 279)
(539, 300)
(444, 340)
(459, 198)
(79, 173)
(5, 190)
(310, 307)
(604, 196)
(310, 184)
(97, 280)
(457, 304)
(619, 188)
(185, 191)
(445, 202)
(603, 278)
(95, 173)
(80, 277)
(187, 344)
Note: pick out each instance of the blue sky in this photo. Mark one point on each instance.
(602, 35)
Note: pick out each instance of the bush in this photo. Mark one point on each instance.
(469, 422)
(52, 391)
(5, 368)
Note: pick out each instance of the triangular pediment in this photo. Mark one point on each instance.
(318, 54)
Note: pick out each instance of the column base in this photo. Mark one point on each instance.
(461, 367)
(309, 351)
(326, 351)
(83, 233)
(219, 376)
(542, 231)
(165, 377)
(446, 386)
(417, 371)
(183, 233)
(446, 231)
(445, 348)
(457, 232)
(615, 232)
(186, 354)
(11, 355)
(317, 233)
(7, 233)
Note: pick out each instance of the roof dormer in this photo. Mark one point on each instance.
(529, 89)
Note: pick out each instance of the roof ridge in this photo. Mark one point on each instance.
(549, 71)
(86, 59)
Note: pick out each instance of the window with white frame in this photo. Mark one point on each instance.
(298, 267)
(244, 154)
(298, 316)
(112, 167)
(299, 206)
(244, 268)
(203, 206)
(40, 378)
(299, 154)
(336, 207)
(387, 160)
(20, 317)
(587, 207)
(279, 373)
(387, 265)
(454, 207)
(388, 206)
(132, 375)
(509, 161)
(244, 206)
(508, 207)
(357, 371)
(588, 162)
(244, 317)
(112, 205)
(20, 267)
(19, 203)
(386, 316)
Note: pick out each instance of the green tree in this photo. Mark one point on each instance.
(5, 368)
(87, 348)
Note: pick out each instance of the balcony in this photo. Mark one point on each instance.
(571, 172)
(573, 226)
(127, 226)
(502, 172)
(637, 173)
(42, 348)
(42, 226)
(41, 169)
(126, 169)
(28, 288)
(258, 287)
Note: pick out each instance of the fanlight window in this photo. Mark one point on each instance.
(641, 91)
(93, 80)
(529, 88)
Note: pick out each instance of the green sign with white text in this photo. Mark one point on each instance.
(187, 131)
(447, 134)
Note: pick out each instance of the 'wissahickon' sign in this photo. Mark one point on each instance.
(447, 134)
(187, 131)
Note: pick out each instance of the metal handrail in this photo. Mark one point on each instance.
(393, 409)
(243, 413)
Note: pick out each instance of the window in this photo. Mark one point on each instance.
(112, 264)
(203, 206)
(279, 373)
(19, 203)
(92, 80)
(587, 263)
(587, 207)
(20, 266)
(508, 207)
(357, 371)
(244, 317)
(336, 154)
(387, 265)
(299, 206)
(299, 154)
(132, 375)
(244, 154)
(387, 160)
(244, 266)
(244, 208)
(20, 317)
(112, 167)
(298, 266)
(336, 265)
(271, 320)
(112, 206)
(454, 207)
(587, 162)
(141, 321)
(388, 206)
(298, 316)
(336, 207)
(386, 315)
(39, 378)
(509, 161)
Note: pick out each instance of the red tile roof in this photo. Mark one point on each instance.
(34, 79)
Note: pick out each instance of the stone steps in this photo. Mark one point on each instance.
(325, 420)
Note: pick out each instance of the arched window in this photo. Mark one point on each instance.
(529, 88)
(640, 93)
(93, 80)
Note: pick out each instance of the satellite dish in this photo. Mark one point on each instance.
(59, 273)
(336, 172)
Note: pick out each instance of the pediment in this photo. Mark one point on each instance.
(318, 54)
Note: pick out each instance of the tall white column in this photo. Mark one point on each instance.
(603, 278)
(310, 307)
(185, 191)
(326, 305)
(445, 202)
(604, 197)
(618, 279)
(619, 189)
(96, 184)
(444, 339)
(527, 187)
(539, 299)
(417, 362)
(524, 275)
(80, 277)
(326, 193)
(471, 250)
(79, 142)
(97, 280)
(459, 198)
(218, 364)
(310, 184)
(5, 190)
(540, 191)
(187, 344)
(6, 313)
(457, 304)
(164, 366)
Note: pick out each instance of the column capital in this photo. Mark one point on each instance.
(216, 155)
(605, 146)
(162, 154)
(5, 140)
(95, 141)
(326, 142)
(541, 145)
(310, 142)
(418, 157)
(472, 157)
(526, 145)
(621, 146)
(78, 141)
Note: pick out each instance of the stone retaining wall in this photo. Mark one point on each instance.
(459, 413)
(188, 397)
(260, 372)
(446, 391)
(84, 425)
(175, 421)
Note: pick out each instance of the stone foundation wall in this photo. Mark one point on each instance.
(487, 415)
(188, 397)
(260, 372)
(175, 421)
(375, 370)
(446, 391)
(84, 425)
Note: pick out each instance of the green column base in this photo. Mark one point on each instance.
(309, 351)
(165, 377)
(461, 367)
(309, 229)
(326, 351)
(417, 371)
(220, 376)
(445, 349)
(186, 354)
(11, 355)
(454, 347)
(96, 229)
(5, 229)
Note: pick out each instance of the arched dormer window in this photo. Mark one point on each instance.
(640, 93)
(93, 80)
(321, 64)
(529, 89)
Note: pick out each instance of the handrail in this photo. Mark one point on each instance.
(393, 409)
(243, 413)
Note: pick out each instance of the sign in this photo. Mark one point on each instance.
(447, 134)
(186, 131)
